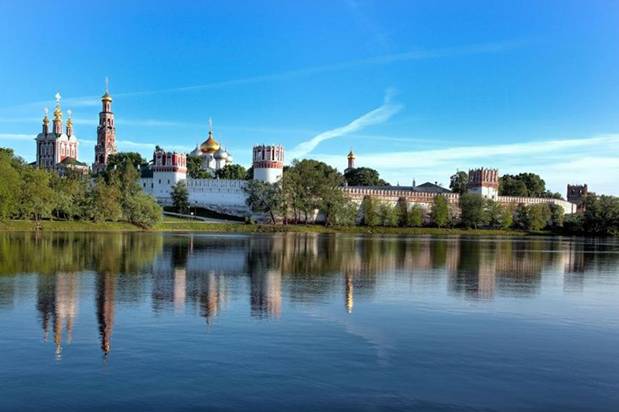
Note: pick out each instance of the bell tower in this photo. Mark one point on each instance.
(106, 132)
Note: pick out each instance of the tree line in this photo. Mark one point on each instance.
(28, 192)
(520, 185)
(309, 188)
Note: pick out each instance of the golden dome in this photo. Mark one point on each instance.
(351, 155)
(210, 145)
(106, 97)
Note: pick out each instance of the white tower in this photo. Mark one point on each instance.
(484, 182)
(169, 168)
(268, 163)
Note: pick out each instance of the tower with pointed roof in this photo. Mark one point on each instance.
(351, 160)
(106, 133)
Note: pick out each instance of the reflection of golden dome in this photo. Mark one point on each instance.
(210, 145)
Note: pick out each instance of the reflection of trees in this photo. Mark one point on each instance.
(50, 253)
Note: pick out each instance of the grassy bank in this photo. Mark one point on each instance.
(65, 226)
(179, 225)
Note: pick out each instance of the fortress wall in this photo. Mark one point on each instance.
(424, 199)
(217, 192)
(516, 200)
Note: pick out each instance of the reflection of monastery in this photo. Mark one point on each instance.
(205, 275)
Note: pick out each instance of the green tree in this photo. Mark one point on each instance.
(70, 193)
(440, 211)
(120, 159)
(369, 210)
(522, 219)
(195, 170)
(104, 202)
(539, 216)
(473, 211)
(343, 213)
(498, 216)
(237, 172)
(523, 184)
(557, 215)
(309, 185)
(264, 197)
(36, 196)
(415, 216)
(10, 183)
(388, 215)
(142, 210)
(180, 197)
(601, 216)
(332, 204)
(363, 176)
(402, 211)
(459, 182)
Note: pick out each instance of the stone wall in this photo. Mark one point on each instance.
(425, 200)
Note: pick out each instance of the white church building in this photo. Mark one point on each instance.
(221, 195)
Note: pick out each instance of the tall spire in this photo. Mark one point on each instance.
(106, 131)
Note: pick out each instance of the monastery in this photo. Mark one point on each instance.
(57, 149)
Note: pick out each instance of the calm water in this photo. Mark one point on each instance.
(307, 322)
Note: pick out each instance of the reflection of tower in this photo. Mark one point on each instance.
(105, 309)
(180, 285)
(266, 293)
(65, 308)
(211, 297)
(349, 292)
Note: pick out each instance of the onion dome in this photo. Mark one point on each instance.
(351, 155)
(220, 154)
(106, 96)
(210, 145)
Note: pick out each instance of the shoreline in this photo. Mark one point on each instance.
(188, 226)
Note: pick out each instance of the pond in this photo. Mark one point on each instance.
(230, 322)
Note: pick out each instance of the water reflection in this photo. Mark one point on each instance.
(207, 273)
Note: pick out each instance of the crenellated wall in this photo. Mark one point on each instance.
(517, 200)
(228, 196)
(425, 199)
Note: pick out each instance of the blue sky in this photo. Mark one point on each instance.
(417, 89)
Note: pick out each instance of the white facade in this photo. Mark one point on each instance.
(162, 184)
(269, 175)
(485, 191)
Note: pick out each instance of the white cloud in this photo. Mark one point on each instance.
(374, 117)
(593, 160)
